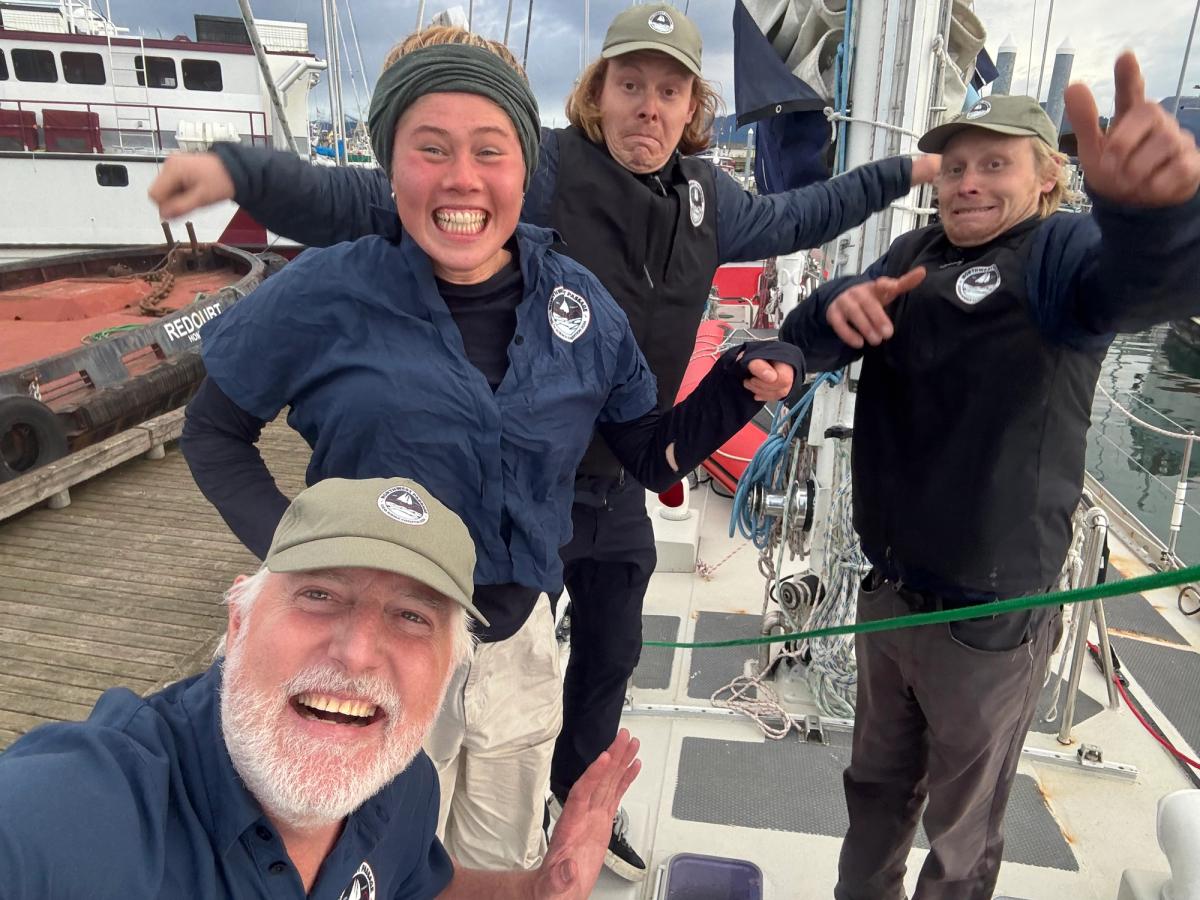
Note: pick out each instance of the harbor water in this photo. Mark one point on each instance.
(1156, 376)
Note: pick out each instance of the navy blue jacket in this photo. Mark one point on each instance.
(1120, 269)
(323, 205)
(358, 342)
(971, 421)
(142, 801)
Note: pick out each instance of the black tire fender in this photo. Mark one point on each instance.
(31, 435)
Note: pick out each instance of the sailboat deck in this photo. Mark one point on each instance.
(713, 784)
(121, 588)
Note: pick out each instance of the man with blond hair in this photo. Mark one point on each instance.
(981, 339)
(629, 201)
(293, 766)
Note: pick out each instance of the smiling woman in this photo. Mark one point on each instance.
(460, 350)
(457, 173)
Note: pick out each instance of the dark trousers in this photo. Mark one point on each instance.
(606, 567)
(941, 715)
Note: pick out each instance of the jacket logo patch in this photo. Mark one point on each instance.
(361, 886)
(569, 314)
(695, 203)
(976, 283)
(979, 110)
(662, 23)
(404, 505)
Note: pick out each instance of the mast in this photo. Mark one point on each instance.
(1045, 47)
(333, 54)
(357, 48)
(1187, 51)
(528, 29)
(507, 21)
(1032, 30)
(283, 129)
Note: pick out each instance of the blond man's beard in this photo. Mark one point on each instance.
(303, 780)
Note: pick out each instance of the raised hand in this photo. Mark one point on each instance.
(190, 181)
(581, 834)
(1145, 158)
(858, 314)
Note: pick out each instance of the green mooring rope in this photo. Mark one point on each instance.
(1080, 595)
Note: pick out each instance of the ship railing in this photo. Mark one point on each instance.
(1086, 563)
(158, 139)
(1158, 551)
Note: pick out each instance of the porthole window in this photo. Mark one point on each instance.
(155, 71)
(201, 74)
(82, 68)
(34, 65)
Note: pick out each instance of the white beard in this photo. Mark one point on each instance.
(308, 782)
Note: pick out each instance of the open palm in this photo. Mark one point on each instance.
(582, 832)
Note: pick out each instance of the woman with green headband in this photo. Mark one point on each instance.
(457, 348)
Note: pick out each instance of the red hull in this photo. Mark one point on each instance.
(727, 464)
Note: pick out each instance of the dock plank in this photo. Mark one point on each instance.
(71, 663)
(120, 588)
(60, 710)
(35, 688)
(60, 674)
(86, 619)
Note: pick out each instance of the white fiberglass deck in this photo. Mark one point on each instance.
(712, 784)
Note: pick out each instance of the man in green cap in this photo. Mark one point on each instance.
(981, 339)
(293, 766)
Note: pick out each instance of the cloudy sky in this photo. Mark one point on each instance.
(1155, 29)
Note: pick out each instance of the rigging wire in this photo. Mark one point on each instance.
(341, 33)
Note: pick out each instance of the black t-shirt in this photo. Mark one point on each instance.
(486, 316)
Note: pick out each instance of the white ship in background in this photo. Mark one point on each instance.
(88, 113)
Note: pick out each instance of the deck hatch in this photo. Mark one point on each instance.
(791, 786)
(653, 672)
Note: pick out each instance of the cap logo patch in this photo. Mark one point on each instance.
(979, 110)
(695, 203)
(569, 314)
(976, 283)
(662, 23)
(361, 886)
(404, 505)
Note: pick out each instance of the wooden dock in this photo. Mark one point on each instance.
(120, 588)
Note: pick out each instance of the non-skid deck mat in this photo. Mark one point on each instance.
(790, 786)
(1170, 677)
(715, 667)
(1085, 707)
(653, 670)
(1136, 614)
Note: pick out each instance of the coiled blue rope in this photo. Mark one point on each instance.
(768, 466)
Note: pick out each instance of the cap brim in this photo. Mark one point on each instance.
(935, 140)
(631, 46)
(353, 552)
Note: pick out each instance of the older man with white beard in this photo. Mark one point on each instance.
(293, 767)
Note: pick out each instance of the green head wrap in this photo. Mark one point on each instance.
(451, 68)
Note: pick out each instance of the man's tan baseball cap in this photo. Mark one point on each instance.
(1003, 114)
(391, 524)
(655, 26)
